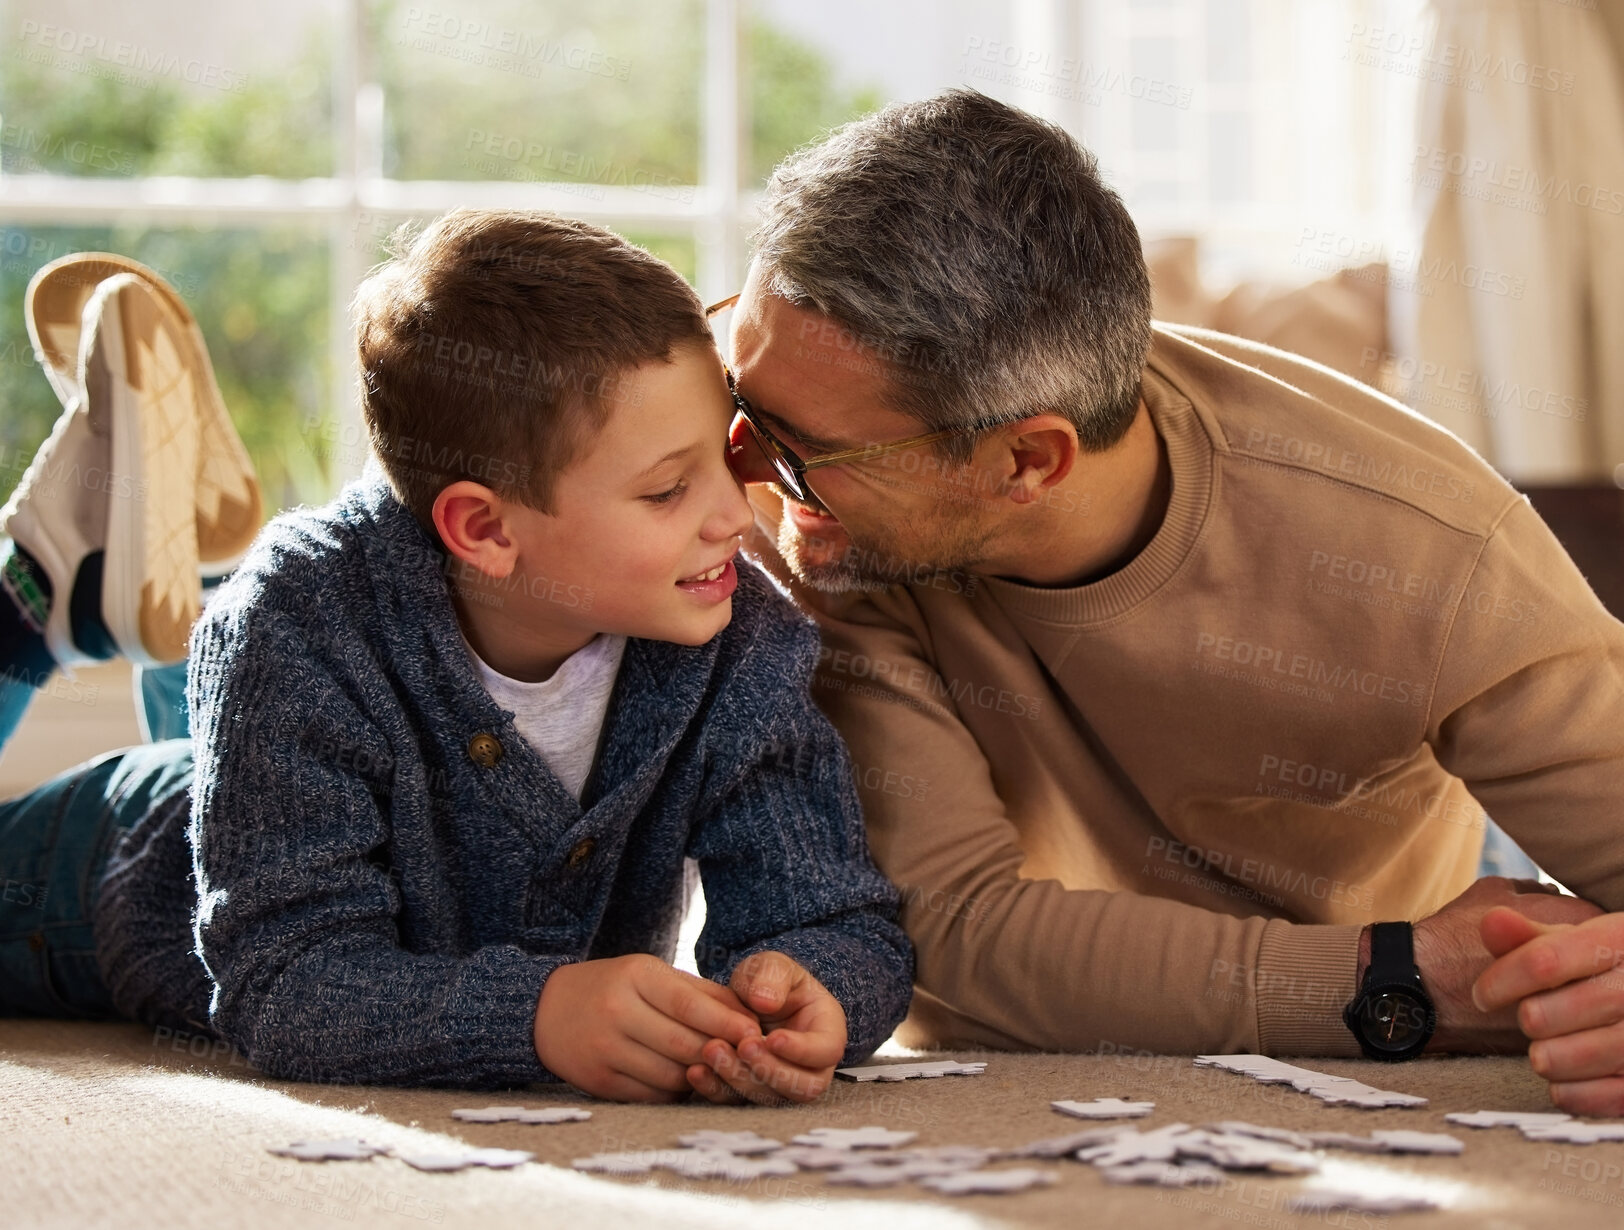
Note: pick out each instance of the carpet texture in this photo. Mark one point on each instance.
(114, 1125)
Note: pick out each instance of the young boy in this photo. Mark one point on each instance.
(458, 733)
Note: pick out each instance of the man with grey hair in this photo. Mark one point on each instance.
(1174, 668)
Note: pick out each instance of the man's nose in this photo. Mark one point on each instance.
(744, 455)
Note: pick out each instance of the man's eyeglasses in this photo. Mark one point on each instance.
(790, 468)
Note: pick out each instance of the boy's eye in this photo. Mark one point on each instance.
(665, 497)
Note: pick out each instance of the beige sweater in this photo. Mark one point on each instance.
(1155, 811)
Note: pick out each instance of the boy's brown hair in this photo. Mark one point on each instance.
(493, 345)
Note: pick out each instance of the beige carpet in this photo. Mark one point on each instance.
(108, 1125)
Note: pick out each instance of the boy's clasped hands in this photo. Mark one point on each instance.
(634, 1029)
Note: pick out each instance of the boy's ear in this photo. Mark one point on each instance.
(472, 522)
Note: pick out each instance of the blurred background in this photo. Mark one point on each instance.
(1428, 196)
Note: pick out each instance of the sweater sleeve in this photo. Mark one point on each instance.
(297, 909)
(1529, 706)
(786, 867)
(1008, 961)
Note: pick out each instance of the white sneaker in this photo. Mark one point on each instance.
(229, 506)
(137, 371)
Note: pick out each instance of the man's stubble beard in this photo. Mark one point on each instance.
(864, 569)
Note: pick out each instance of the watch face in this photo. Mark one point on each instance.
(1394, 1020)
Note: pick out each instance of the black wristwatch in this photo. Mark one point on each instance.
(1392, 1016)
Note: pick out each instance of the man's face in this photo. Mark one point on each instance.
(819, 390)
(645, 512)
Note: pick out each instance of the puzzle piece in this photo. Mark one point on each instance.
(912, 1071)
(1507, 1118)
(1237, 1152)
(822, 1157)
(1054, 1147)
(343, 1150)
(1404, 1141)
(521, 1114)
(737, 1143)
(1164, 1174)
(1325, 1200)
(555, 1114)
(1234, 1127)
(488, 1114)
(1346, 1140)
(1104, 1108)
(882, 1171)
(1336, 1090)
(1576, 1133)
(987, 1182)
(614, 1163)
(708, 1164)
(496, 1159)
(1128, 1147)
(855, 1138)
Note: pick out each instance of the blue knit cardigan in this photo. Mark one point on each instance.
(384, 872)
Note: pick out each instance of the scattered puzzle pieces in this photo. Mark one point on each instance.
(987, 1182)
(855, 1138)
(329, 1150)
(912, 1071)
(1104, 1108)
(1234, 1127)
(1507, 1118)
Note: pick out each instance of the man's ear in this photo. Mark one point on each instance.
(1042, 450)
(472, 522)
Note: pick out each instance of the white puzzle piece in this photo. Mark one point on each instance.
(1404, 1141)
(522, 1114)
(1576, 1133)
(1236, 1152)
(496, 1159)
(1104, 1108)
(821, 1157)
(1055, 1147)
(912, 1071)
(1326, 1200)
(738, 1143)
(705, 1164)
(987, 1182)
(1234, 1127)
(1165, 1174)
(329, 1150)
(1507, 1118)
(1128, 1147)
(855, 1138)
(614, 1163)
(1336, 1090)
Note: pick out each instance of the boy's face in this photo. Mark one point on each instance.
(646, 515)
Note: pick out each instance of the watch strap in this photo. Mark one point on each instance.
(1392, 952)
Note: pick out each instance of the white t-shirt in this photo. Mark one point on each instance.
(562, 717)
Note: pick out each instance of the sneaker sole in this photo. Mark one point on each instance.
(136, 367)
(230, 509)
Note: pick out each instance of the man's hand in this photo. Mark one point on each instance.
(1567, 986)
(1450, 953)
(629, 1028)
(806, 1036)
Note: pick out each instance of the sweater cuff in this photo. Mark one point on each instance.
(495, 1028)
(1306, 975)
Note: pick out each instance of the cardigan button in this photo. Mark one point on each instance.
(36, 941)
(580, 853)
(485, 750)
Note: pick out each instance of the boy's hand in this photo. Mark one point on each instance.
(630, 1028)
(806, 1036)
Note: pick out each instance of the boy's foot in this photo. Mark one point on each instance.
(228, 503)
(139, 375)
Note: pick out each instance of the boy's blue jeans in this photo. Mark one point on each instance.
(54, 843)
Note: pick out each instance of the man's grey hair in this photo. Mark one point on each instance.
(974, 251)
